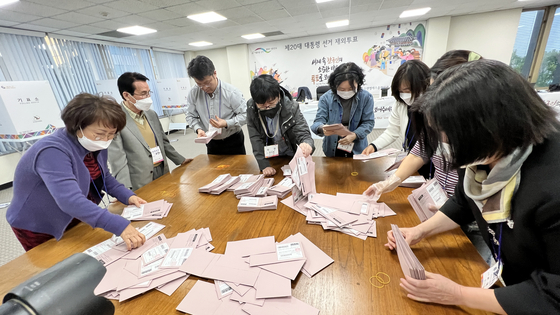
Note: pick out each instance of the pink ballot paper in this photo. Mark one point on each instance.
(337, 129)
(375, 155)
(209, 136)
(284, 252)
(429, 194)
(257, 203)
(149, 211)
(410, 265)
(220, 180)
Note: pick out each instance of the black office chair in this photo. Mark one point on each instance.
(322, 90)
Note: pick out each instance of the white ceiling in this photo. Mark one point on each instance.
(295, 18)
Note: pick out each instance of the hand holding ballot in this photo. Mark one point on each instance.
(336, 129)
(374, 191)
(132, 237)
(348, 139)
(205, 137)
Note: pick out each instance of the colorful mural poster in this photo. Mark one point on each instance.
(308, 61)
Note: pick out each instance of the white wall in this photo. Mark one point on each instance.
(231, 63)
(238, 60)
(220, 59)
(491, 34)
(437, 35)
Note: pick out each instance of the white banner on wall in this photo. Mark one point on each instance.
(28, 110)
(552, 100)
(308, 61)
(173, 93)
(109, 88)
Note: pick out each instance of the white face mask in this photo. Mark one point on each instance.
(143, 104)
(91, 145)
(345, 94)
(406, 97)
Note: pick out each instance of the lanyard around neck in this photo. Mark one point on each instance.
(264, 127)
(208, 108)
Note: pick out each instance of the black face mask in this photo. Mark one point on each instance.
(270, 113)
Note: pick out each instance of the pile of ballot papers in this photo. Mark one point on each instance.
(243, 185)
(347, 213)
(154, 265)
(282, 189)
(247, 204)
(148, 211)
(219, 185)
(253, 277)
(252, 186)
(429, 194)
(410, 265)
(375, 155)
(303, 173)
(209, 136)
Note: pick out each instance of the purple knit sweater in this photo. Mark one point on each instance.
(51, 185)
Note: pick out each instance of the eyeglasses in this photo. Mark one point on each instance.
(105, 137)
(206, 83)
(144, 94)
(269, 104)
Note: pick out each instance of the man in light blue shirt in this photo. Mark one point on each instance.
(213, 103)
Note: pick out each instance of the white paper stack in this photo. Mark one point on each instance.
(223, 187)
(347, 213)
(220, 180)
(247, 204)
(209, 136)
(243, 178)
(282, 189)
(250, 187)
(375, 155)
(413, 181)
(429, 194)
(410, 264)
(263, 190)
(154, 265)
(253, 277)
(148, 211)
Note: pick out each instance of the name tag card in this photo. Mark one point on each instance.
(271, 151)
(157, 156)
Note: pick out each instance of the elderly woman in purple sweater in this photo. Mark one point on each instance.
(59, 180)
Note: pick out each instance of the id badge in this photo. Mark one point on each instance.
(401, 156)
(492, 275)
(346, 147)
(157, 156)
(271, 151)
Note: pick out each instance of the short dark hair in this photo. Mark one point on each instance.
(450, 59)
(265, 87)
(416, 74)
(126, 82)
(86, 109)
(485, 109)
(347, 72)
(200, 67)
